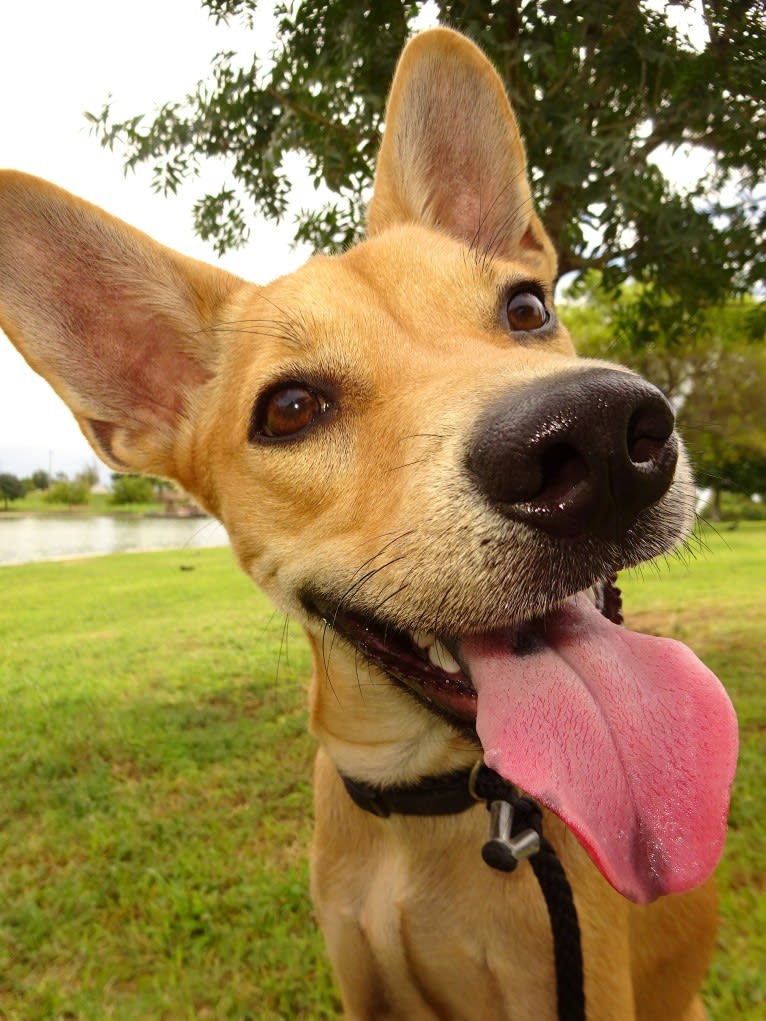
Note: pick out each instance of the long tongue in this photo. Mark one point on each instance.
(628, 738)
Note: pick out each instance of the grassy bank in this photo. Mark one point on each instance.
(155, 786)
(98, 503)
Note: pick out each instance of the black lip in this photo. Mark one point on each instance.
(451, 696)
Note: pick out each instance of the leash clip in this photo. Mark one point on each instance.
(503, 851)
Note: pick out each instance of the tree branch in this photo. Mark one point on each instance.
(311, 115)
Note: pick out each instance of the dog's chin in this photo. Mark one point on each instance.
(429, 666)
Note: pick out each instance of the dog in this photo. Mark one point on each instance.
(410, 459)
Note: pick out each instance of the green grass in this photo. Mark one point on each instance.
(155, 786)
(155, 796)
(715, 603)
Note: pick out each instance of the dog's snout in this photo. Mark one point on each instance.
(577, 455)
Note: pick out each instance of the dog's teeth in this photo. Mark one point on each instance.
(423, 640)
(443, 659)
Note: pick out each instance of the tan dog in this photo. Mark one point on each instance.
(403, 445)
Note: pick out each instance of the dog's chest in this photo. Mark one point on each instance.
(428, 931)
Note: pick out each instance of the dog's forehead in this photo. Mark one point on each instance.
(406, 281)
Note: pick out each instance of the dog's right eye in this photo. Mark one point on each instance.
(526, 311)
(287, 412)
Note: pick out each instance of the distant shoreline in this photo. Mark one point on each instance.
(98, 512)
(27, 537)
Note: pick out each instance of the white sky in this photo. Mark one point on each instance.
(59, 58)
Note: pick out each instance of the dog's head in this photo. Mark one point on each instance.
(404, 448)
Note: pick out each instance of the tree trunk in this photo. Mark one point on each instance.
(715, 506)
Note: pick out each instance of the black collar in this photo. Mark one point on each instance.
(448, 794)
(433, 795)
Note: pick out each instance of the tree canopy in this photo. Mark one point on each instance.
(600, 88)
(11, 488)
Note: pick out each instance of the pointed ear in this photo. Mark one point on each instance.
(452, 157)
(119, 325)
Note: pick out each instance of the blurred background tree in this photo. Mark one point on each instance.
(715, 376)
(11, 488)
(40, 479)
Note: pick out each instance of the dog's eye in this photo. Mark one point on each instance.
(289, 411)
(526, 312)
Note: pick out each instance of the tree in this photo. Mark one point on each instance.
(724, 418)
(11, 488)
(40, 479)
(600, 87)
(88, 475)
(713, 374)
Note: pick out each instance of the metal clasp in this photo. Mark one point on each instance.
(503, 851)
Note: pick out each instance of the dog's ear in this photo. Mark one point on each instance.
(119, 325)
(452, 155)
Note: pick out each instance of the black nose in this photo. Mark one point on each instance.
(577, 455)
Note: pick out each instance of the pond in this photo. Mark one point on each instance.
(50, 537)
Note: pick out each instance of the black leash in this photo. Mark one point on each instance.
(515, 834)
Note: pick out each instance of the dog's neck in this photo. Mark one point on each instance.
(367, 726)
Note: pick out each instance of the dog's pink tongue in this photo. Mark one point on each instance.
(629, 739)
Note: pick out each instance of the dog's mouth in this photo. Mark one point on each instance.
(420, 662)
(628, 738)
(431, 666)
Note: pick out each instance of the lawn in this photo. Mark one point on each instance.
(155, 786)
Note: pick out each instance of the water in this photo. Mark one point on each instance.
(51, 537)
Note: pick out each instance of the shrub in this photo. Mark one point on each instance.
(131, 489)
(68, 492)
(738, 507)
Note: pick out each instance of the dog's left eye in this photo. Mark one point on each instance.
(288, 411)
(526, 312)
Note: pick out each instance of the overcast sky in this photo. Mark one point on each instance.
(58, 59)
